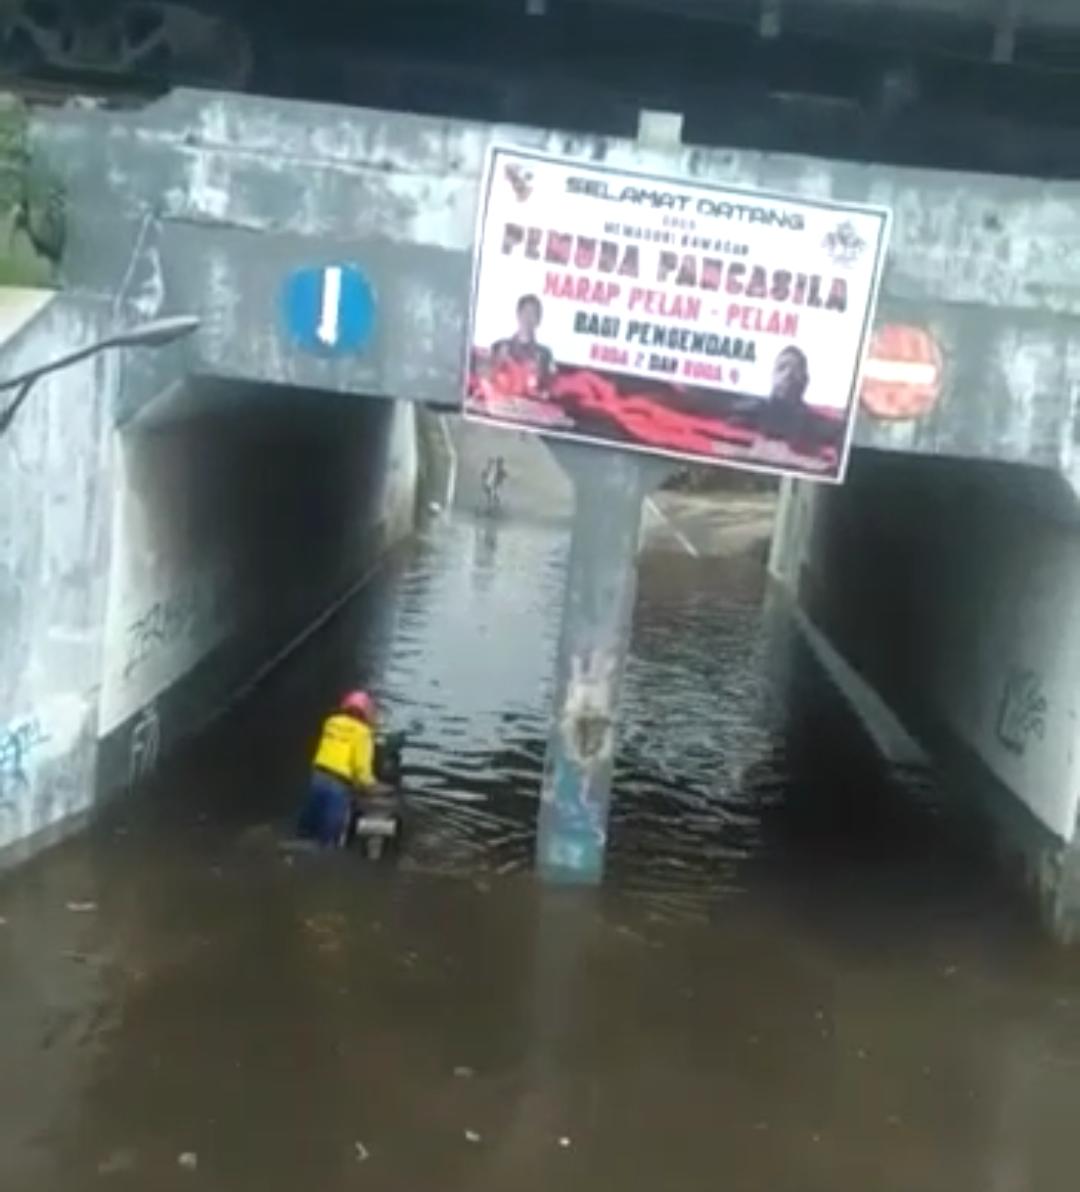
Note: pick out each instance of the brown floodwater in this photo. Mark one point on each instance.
(797, 977)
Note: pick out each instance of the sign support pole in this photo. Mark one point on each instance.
(610, 486)
(598, 605)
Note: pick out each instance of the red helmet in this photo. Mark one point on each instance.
(359, 703)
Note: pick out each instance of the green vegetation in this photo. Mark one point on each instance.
(31, 206)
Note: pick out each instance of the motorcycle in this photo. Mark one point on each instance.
(377, 820)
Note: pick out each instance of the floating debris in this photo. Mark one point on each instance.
(119, 1161)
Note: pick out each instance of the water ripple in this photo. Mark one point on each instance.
(701, 760)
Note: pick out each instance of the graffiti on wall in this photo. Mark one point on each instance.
(20, 741)
(1021, 711)
(159, 626)
(183, 616)
(46, 762)
(145, 746)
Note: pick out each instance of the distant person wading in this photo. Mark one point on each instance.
(491, 481)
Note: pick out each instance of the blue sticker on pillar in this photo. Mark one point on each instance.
(572, 835)
(329, 310)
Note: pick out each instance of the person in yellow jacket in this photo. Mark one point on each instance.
(344, 767)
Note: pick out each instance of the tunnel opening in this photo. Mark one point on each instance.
(945, 585)
(736, 774)
(243, 515)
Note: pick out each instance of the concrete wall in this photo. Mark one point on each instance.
(242, 515)
(399, 481)
(55, 518)
(208, 202)
(952, 590)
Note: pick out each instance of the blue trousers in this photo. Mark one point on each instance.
(325, 814)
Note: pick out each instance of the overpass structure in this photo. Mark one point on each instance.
(155, 543)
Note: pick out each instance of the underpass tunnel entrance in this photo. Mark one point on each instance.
(828, 985)
(739, 766)
(941, 593)
(243, 513)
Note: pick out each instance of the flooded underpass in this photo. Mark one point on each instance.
(795, 977)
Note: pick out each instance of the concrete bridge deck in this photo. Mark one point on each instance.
(206, 202)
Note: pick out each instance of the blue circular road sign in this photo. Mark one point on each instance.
(329, 309)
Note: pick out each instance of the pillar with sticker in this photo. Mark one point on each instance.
(610, 487)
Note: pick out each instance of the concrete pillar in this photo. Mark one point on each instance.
(610, 486)
(601, 581)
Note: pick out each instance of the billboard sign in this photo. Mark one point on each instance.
(685, 319)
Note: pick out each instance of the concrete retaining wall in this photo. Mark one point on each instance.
(55, 518)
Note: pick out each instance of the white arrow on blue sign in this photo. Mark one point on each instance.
(330, 309)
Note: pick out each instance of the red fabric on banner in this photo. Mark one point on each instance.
(645, 419)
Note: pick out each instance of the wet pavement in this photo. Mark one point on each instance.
(796, 978)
